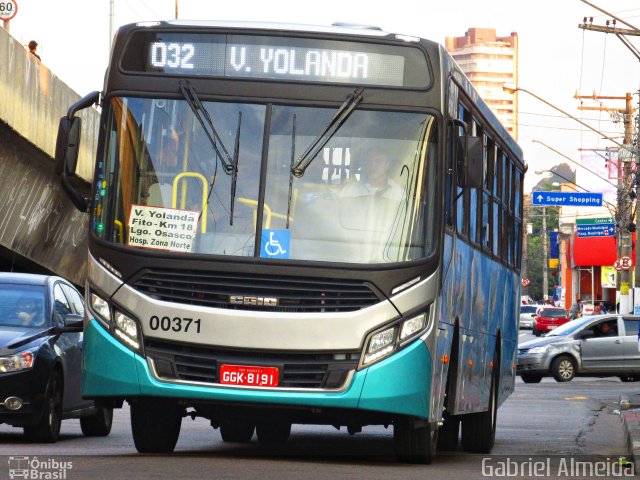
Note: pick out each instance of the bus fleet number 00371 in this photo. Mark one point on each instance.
(175, 324)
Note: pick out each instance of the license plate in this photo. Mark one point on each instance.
(249, 376)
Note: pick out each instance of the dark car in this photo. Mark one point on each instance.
(597, 345)
(41, 321)
(548, 318)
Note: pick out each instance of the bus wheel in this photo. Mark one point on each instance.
(155, 425)
(479, 429)
(414, 444)
(239, 431)
(98, 424)
(449, 433)
(273, 432)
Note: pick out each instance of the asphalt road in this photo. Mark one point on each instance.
(542, 419)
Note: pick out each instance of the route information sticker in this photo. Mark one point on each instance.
(162, 228)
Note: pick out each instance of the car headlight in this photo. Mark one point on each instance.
(539, 350)
(19, 361)
(383, 343)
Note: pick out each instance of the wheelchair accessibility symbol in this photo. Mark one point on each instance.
(275, 244)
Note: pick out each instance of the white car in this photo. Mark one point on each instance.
(527, 312)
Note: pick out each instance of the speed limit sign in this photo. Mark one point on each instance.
(8, 9)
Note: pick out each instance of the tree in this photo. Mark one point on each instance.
(535, 253)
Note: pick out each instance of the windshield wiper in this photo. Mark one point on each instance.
(201, 113)
(341, 116)
(234, 178)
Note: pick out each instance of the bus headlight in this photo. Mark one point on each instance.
(126, 329)
(119, 324)
(380, 345)
(412, 326)
(383, 343)
(101, 308)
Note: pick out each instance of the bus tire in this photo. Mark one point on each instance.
(98, 424)
(275, 433)
(414, 444)
(238, 431)
(479, 429)
(449, 434)
(155, 425)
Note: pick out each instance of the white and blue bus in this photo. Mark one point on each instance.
(298, 225)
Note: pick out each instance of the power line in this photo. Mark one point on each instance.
(560, 116)
(149, 8)
(559, 128)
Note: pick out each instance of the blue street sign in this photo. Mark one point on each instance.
(599, 230)
(567, 199)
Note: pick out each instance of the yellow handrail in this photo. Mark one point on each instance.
(174, 195)
(118, 225)
(267, 210)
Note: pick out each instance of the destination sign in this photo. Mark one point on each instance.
(567, 199)
(276, 58)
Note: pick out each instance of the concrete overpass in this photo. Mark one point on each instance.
(40, 230)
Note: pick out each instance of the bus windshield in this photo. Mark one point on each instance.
(166, 184)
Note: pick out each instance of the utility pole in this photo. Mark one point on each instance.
(624, 220)
(525, 236)
(545, 258)
(630, 152)
(111, 26)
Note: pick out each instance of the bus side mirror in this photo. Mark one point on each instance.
(468, 157)
(68, 145)
(68, 148)
(473, 166)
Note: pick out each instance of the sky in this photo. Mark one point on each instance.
(557, 59)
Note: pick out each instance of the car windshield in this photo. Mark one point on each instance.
(552, 313)
(165, 185)
(569, 327)
(22, 306)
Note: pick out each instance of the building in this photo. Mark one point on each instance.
(490, 62)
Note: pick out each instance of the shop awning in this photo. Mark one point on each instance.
(596, 251)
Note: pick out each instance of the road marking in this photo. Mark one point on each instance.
(578, 397)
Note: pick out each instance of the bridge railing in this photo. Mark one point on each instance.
(33, 98)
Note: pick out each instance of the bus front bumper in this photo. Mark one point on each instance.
(400, 384)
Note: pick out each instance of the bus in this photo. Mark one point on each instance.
(298, 225)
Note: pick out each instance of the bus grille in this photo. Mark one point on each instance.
(195, 363)
(293, 294)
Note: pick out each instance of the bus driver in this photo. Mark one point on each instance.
(375, 179)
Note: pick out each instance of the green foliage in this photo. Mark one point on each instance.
(535, 253)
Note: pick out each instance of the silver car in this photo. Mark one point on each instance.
(527, 312)
(600, 345)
